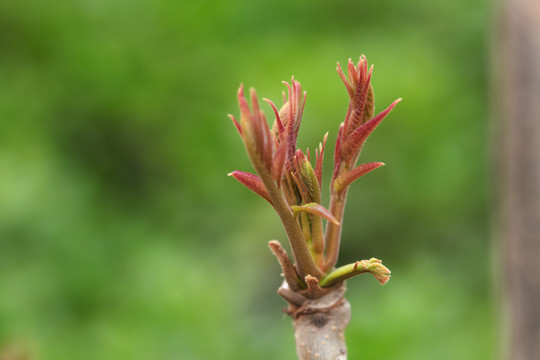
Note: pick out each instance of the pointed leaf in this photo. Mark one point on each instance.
(300, 187)
(257, 124)
(353, 73)
(346, 179)
(319, 160)
(357, 138)
(244, 108)
(236, 124)
(358, 104)
(252, 182)
(350, 91)
(278, 127)
(268, 142)
(315, 209)
(369, 108)
(278, 165)
(337, 151)
(295, 110)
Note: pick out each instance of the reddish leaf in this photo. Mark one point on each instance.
(353, 73)
(319, 160)
(346, 179)
(236, 124)
(345, 81)
(280, 128)
(316, 209)
(244, 108)
(268, 141)
(357, 138)
(295, 110)
(278, 163)
(302, 191)
(252, 182)
(337, 151)
(369, 108)
(256, 122)
(358, 104)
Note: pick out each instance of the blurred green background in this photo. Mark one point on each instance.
(121, 237)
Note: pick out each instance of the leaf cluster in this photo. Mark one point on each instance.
(286, 178)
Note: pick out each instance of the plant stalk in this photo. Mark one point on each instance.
(300, 250)
(333, 231)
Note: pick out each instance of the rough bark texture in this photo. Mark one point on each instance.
(519, 104)
(321, 334)
(319, 323)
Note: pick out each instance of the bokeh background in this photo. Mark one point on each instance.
(121, 237)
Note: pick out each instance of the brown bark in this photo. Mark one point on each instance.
(518, 65)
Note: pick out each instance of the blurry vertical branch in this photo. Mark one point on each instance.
(519, 108)
(285, 177)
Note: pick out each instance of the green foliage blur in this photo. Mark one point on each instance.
(121, 237)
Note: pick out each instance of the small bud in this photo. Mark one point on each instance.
(373, 266)
(308, 177)
(319, 155)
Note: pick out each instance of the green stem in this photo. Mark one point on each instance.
(333, 231)
(317, 242)
(300, 250)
